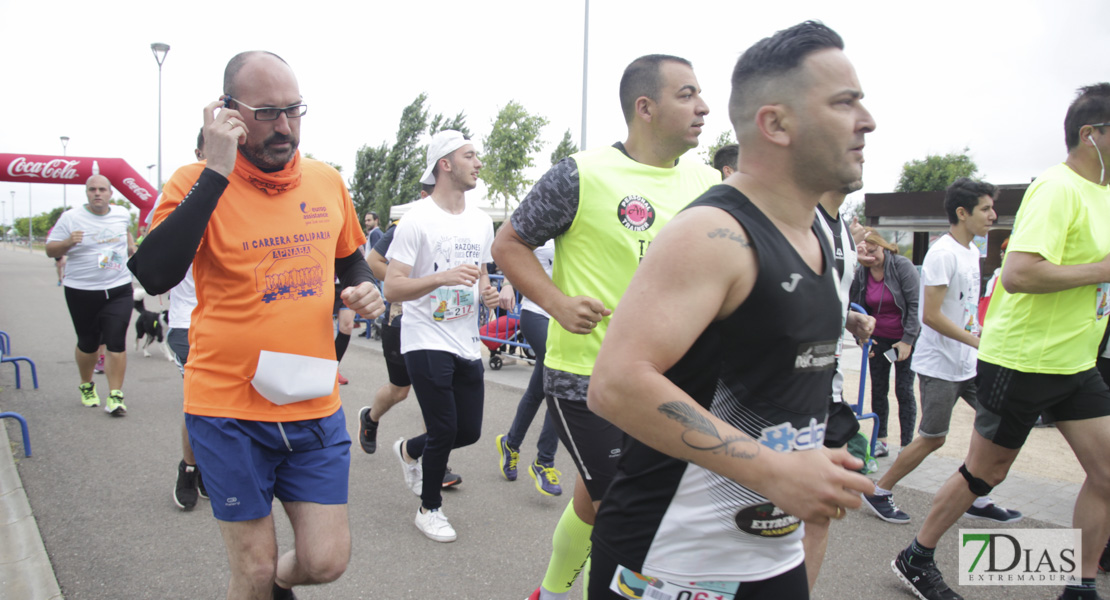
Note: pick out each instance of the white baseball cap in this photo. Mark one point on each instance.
(443, 144)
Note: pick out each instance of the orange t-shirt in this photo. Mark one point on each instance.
(264, 279)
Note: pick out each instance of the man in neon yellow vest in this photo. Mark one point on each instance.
(603, 207)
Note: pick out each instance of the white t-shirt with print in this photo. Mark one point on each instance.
(546, 255)
(948, 263)
(99, 262)
(431, 240)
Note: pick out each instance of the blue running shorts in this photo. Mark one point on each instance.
(247, 463)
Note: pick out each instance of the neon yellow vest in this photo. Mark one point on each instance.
(622, 205)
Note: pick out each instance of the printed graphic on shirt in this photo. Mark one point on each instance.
(784, 437)
(636, 213)
(291, 273)
(767, 521)
(816, 356)
(1102, 290)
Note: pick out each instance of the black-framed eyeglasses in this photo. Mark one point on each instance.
(1100, 125)
(294, 111)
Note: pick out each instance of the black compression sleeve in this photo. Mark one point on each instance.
(166, 253)
(352, 270)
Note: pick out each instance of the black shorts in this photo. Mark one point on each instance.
(1011, 401)
(791, 584)
(394, 362)
(592, 442)
(100, 316)
(178, 341)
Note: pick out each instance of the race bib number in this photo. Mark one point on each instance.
(449, 304)
(1102, 290)
(110, 260)
(630, 584)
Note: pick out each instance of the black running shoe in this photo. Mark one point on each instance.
(367, 431)
(883, 506)
(451, 479)
(924, 579)
(993, 512)
(185, 492)
(201, 490)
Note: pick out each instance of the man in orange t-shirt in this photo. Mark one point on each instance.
(271, 232)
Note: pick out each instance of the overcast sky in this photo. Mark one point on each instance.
(995, 77)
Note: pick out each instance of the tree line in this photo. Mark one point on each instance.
(389, 174)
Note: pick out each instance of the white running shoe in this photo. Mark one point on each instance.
(434, 525)
(414, 473)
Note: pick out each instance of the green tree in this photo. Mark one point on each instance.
(508, 152)
(440, 123)
(400, 176)
(724, 139)
(935, 173)
(369, 166)
(565, 148)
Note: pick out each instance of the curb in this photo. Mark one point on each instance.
(25, 569)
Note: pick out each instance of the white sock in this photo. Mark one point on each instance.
(546, 595)
(982, 502)
(881, 492)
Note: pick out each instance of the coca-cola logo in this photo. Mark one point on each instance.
(58, 168)
(139, 190)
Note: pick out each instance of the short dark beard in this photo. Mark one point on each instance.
(264, 160)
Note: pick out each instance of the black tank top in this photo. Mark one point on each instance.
(767, 370)
(777, 352)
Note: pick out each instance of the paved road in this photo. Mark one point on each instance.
(100, 488)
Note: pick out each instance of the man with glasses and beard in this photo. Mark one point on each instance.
(267, 232)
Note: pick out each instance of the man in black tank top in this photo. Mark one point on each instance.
(726, 400)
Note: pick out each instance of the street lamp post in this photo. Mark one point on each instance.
(160, 51)
(30, 223)
(65, 141)
(149, 168)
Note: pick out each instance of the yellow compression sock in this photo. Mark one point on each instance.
(570, 549)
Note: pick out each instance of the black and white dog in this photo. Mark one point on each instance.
(150, 325)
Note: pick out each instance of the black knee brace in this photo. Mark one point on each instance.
(976, 485)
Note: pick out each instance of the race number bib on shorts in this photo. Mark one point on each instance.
(453, 303)
(630, 584)
(1102, 291)
(110, 260)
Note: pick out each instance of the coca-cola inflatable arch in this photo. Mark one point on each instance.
(41, 168)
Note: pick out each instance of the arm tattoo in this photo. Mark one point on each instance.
(698, 426)
(722, 232)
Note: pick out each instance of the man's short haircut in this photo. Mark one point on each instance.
(375, 215)
(641, 78)
(236, 64)
(965, 192)
(726, 156)
(200, 140)
(771, 59)
(427, 188)
(1091, 105)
